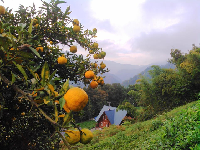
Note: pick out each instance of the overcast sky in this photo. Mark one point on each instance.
(137, 32)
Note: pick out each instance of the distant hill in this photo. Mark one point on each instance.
(121, 72)
(111, 78)
(125, 74)
(145, 73)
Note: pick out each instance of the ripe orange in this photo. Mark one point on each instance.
(2, 10)
(99, 56)
(103, 54)
(76, 99)
(35, 21)
(91, 51)
(93, 84)
(40, 48)
(36, 25)
(86, 136)
(94, 30)
(89, 74)
(95, 45)
(102, 65)
(72, 136)
(73, 49)
(76, 28)
(75, 22)
(62, 60)
(100, 81)
(95, 65)
(95, 56)
(23, 113)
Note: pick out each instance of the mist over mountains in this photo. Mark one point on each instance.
(125, 74)
(120, 72)
(145, 73)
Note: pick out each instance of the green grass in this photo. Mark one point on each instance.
(177, 129)
(87, 124)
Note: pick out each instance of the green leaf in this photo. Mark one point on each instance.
(66, 11)
(59, 2)
(25, 54)
(21, 69)
(35, 77)
(36, 68)
(56, 78)
(67, 118)
(52, 75)
(90, 32)
(44, 73)
(30, 27)
(35, 51)
(61, 102)
(64, 88)
(13, 78)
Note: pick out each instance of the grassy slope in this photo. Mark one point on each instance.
(87, 124)
(177, 129)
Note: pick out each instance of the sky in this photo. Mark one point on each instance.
(136, 32)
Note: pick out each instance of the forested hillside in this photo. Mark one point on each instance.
(145, 73)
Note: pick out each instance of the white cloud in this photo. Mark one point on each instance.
(120, 13)
(136, 32)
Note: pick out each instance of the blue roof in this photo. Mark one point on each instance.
(115, 117)
(111, 115)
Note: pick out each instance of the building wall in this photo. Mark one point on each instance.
(103, 121)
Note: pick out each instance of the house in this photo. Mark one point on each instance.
(108, 116)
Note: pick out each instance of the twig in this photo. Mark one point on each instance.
(64, 140)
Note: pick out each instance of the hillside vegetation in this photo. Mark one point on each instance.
(145, 73)
(177, 129)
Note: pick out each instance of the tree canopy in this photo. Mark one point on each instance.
(37, 60)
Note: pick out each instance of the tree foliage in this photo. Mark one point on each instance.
(169, 88)
(33, 82)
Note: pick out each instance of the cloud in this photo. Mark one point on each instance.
(181, 35)
(139, 32)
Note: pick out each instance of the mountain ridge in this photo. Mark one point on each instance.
(145, 73)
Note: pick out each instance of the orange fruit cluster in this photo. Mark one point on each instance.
(76, 27)
(74, 136)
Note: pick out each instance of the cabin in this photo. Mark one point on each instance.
(108, 116)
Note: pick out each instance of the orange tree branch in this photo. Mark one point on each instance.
(17, 89)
